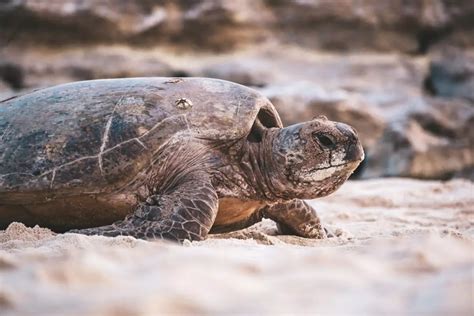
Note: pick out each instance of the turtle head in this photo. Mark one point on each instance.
(314, 158)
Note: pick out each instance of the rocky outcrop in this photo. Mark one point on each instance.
(212, 24)
(388, 25)
(12, 75)
(434, 142)
(452, 74)
(33, 69)
(392, 25)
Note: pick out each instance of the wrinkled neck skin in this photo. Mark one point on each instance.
(241, 171)
(258, 168)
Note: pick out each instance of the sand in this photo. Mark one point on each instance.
(403, 247)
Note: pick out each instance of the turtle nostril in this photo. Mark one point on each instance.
(324, 140)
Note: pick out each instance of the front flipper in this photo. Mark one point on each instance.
(296, 217)
(185, 212)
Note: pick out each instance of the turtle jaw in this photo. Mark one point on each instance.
(318, 175)
(323, 181)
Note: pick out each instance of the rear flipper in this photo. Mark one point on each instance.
(185, 212)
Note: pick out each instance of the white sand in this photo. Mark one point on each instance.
(405, 247)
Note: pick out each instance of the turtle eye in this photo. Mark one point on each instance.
(324, 140)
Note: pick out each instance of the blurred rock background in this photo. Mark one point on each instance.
(400, 71)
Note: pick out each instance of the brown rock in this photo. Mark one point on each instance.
(391, 25)
(11, 74)
(452, 74)
(249, 71)
(209, 24)
(388, 25)
(42, 68)
(434, 142)
(5, 91)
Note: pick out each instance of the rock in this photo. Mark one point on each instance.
(210, 24)
(452, 74)
(459, 27)
(388, 25)
(5, 91)
(249, 72)
(344, 25)
(42, 68)
(434, 142)
(12, 74)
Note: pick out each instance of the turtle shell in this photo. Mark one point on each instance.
(86, 136)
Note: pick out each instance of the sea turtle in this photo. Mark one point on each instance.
(165, 158)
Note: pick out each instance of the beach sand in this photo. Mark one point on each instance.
(403, 247)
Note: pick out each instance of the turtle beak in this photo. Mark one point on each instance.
(354, 150)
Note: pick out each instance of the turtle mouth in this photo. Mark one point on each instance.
(310, 171)
(324, 173)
